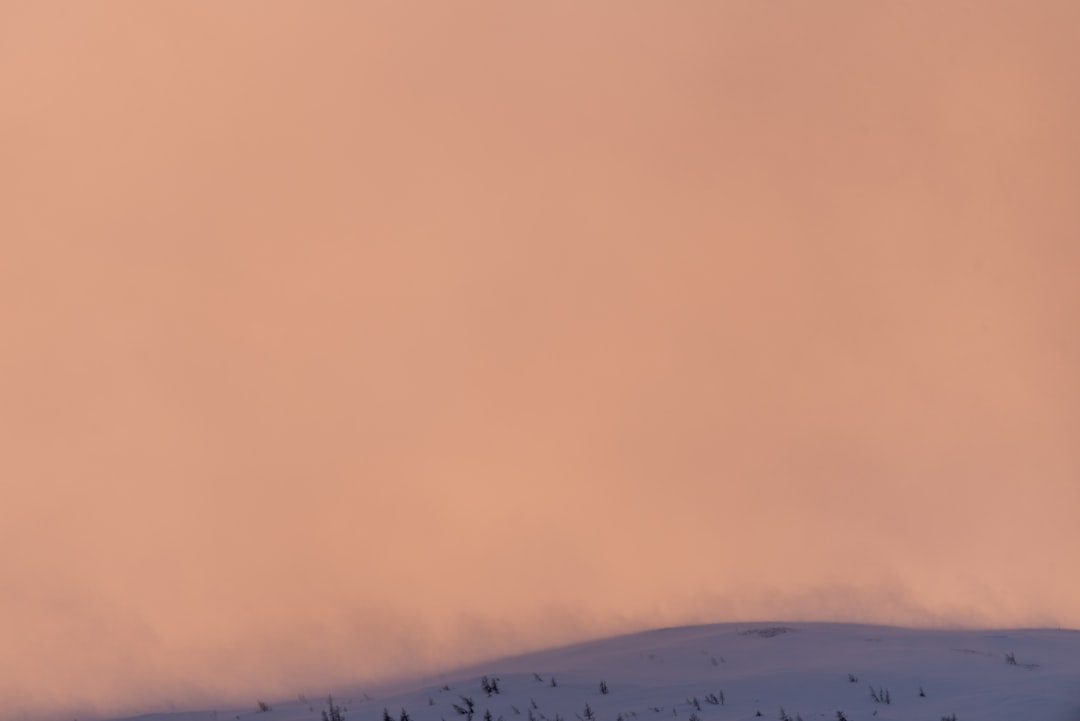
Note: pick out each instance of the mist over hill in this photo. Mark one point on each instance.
(728, 672)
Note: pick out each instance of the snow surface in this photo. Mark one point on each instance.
(804, 669)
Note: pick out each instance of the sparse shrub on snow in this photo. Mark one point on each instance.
(263, 707)
(467, 710)
(881, 695)
(332, 712)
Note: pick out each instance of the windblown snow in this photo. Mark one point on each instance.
(732, 672)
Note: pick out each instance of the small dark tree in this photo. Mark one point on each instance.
(553, 683)
(263, 707)
(386, 715)
(603, 687)
(588, 714)
(405, 715)
(922, 694)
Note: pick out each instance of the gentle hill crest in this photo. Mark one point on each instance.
(732, 672)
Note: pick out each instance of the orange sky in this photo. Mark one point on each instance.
(347, 339)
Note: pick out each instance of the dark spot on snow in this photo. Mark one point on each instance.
(768, 631)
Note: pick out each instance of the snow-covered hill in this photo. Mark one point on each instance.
(730, 672)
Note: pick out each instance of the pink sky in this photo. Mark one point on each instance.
(342, 340)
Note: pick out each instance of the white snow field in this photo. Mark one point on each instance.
(738, 671)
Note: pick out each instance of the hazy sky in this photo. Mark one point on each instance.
(342, 340)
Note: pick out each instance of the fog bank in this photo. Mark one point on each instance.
(348, 340)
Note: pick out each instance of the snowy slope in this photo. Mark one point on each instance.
(804, 669)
